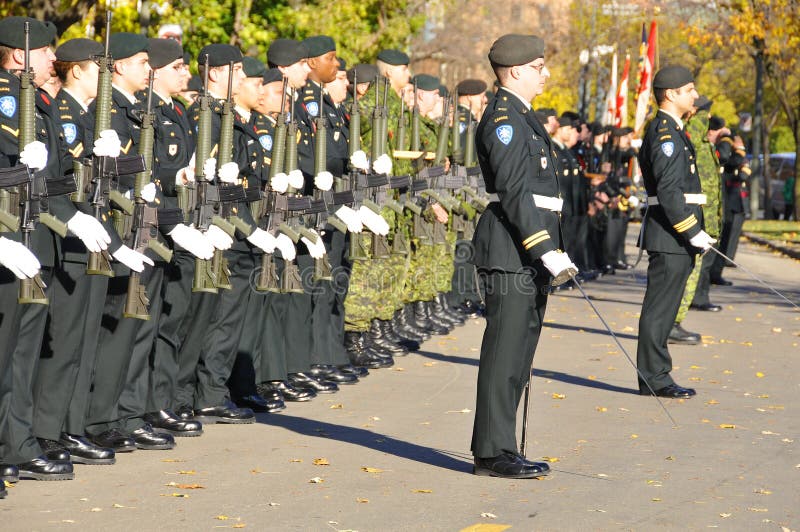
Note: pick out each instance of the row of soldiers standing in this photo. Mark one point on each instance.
(168, 266)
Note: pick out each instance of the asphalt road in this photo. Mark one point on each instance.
(392, 453)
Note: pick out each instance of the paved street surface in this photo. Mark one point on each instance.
(392, 453)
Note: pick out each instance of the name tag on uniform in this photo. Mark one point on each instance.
(173, 149)
(336, 135)
(544, 163)
(692, 168)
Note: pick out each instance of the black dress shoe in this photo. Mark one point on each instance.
(43, 469)
(673, 390)
(335, 375)
(304, 380)
(185, 412)
(149, 440)
(708, 307)
(257, 403)
(53, 450)
(82, 451)
(679, 335)
(114, 439)
(169, 421)
(9, 473)
(226, 414)
(469, 308)
(608, 269)
(720, 281)
(377, 336)
(622, 266)
(289, 392)
(358, 371)
(509, 465)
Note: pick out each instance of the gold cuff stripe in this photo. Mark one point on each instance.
(686, 224)
(534, 236)
(539, 240)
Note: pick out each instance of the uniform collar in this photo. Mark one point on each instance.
(525, 102)
(78, 100)
(678, 121)
(128, 96)
(167, 99)
(244, 112)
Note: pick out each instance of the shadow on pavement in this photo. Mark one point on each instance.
(371, 440)
(546, 374)
(589, 330)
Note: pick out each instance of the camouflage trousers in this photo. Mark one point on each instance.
(371, 280)
(688, 292)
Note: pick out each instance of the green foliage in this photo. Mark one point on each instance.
(781, 139)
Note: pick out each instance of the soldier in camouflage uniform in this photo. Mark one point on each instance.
(696, 293)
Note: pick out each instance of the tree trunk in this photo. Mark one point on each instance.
(758, 114)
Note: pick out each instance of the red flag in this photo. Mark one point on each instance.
(621, 118)
(648, 57)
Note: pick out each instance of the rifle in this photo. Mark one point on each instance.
(268, 277)
(97, 175)
(415, 122)
(33, 192)
(144, 234)
(455, 143)
(401, 127)
(322, 266)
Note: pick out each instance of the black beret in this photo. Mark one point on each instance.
(702, 102)
(124, 45)
(715, 123)
(443, 92)
(393, 57)
(566, 121)
(470, 87)
(621, 131)
(219, 55)
(271, 76)
(514, 49)
(195, 84)
(76, 50)
(319, 45)
(547, 111)
(598, 129)
(426, 82)
(252, 67)
(286, 52)
(541, 117)
(672, 77)
(572, 115)
(342, 63)
(364, 72)
(12, 33)
(53, 30)
(187, 58)
(162, 52)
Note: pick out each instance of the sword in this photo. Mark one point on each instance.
(751, 274)
(619, 344)
(524, 440)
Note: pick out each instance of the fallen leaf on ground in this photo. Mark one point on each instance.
(777, 329)
(273, 504)
(179, 495)
(763, 492)
(375, 418)
(371, 470)
(559, 396)
(359, 499)
(655, 499)
(759, 375)
(485, 527)
(222, 518)
(321, 461)
(96, 509)
(669, 458)
(316, 480)
(712, 402)
(337, 407)
(601, 409)
(758, 509)
(727, 426)
(634, 436)
(189, 472)
(724, 515)
(190, 487)
(591, 377)
(769, 433)
(551, 459)
(295, 459)
(488, 515)
(462, 411)
(172, 460)
(421, 491)
(429, 364)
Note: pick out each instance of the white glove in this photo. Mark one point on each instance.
(18, 259)
(324, 180)
(219, 238)
(351, 218)
(559, 265)
(210, 168)
(279, 182)
(285, 245)
(636, 143)
(359, 160)
(107, 144)
(383, 164)
(192, 241)
(633, 201)
(296, 180)
(90, 231)
(34, 155)
(702, 240)
(317, 250)
(185, 175)
(149, 192)
(229, 173)
(262, 239)
(373, 222)
(132, 258)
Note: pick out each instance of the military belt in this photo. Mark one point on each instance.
(543, 202)
(691, 199)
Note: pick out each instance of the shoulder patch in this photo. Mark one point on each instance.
(312, 108)
(668, 148)
(70, 132)
(8, 105)
(266, 142)
(505, 133)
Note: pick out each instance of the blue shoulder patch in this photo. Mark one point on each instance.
(504, 133)
(266, 142)
(668, 148)
(70, 132)
(312, 108)
(8, 105)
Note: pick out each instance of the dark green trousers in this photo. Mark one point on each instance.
(515, 306)
(191, 339)
(666, 281)
(10, 315)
